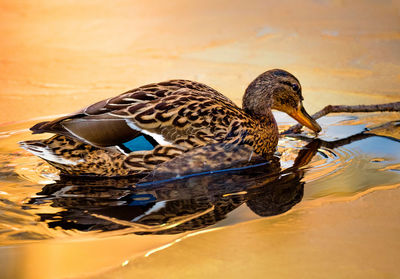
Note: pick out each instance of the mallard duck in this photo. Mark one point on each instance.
(144, 127)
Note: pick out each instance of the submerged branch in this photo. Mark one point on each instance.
(335, 143)
(343, 108)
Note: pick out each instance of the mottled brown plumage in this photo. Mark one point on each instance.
(171, 117)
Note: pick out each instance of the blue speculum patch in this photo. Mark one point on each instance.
(139, 143)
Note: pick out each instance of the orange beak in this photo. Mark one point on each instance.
(305, 119)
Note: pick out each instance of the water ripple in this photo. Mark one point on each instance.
(34, 207)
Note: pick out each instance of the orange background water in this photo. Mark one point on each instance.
(58, 56)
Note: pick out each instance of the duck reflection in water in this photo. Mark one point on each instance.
(179, 196)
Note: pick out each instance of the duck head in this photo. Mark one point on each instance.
(280, 90)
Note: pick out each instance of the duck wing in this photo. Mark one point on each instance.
(176, 112)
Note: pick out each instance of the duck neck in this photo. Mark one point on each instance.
(268, 132)
(268, 122)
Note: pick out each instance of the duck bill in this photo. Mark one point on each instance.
(305, 119)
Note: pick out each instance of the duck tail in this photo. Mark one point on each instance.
(48, 127)
(38, 128)
(47, 150)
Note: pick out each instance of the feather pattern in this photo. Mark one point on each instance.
(173, 116)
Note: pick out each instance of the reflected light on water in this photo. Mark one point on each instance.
(57, 57)
(179, 240)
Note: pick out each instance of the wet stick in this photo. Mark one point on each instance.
(343, 108)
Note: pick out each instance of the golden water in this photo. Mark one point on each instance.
(58, 57)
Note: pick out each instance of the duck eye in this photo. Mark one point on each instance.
(295, 87)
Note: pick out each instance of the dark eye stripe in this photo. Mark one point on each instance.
(288, 83)
(285, 82)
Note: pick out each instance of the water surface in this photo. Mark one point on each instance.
(38, 206)
(336, 213)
